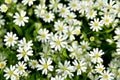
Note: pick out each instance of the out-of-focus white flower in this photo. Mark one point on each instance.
(20, 19)
(107, 19)
(8, 1)
(55, 5)
(10, 39)
(117, 32)
(91, 14)
(65, 69)
(63, 11)
(29, 2)
(40, 10)
(2, 21)
(3, 8)
(74, 5)
(2, 64)
(57, 78)
(85, 45)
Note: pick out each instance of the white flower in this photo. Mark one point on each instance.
(85, 45)
(58, 42)
(29, 2)
(70, 17)
(76, 52)
(60, 27)
(99, 68)
(3, 8)
(10, 39)
(83, 7)
(91, 14)
(40, 10)
(96, 25)
(110, 6)
(21, 66)
(55, 5)
(57, 78)
(2, 21)
(8, 1)
(117, 32)
(43, 35)
(96, 55)
(33, 64)
(20, 19)
(45, 65)
(74, 5)
(24, 44)
(63, 11)
(70, 33)
(107, 19)
(106, 75)
(2, 64)
(100, 3)
(24, 53)
(65, 69)
(77, 30)
(11, 73)
(48, 17)
(80, 66)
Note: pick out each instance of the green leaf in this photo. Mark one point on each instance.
(18, 29)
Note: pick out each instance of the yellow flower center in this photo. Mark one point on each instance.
(90, 13)
(47, 16)
(55, 5)
(78, 67)
(8, 1)
(100, 69)
(105, 76)
(34, 63)
(63, 11)
(64, 68)
(60, 28)
(45, 66)
(77, 32)
(2, 64)
(43, 35)
(20, 18)
(5, 8)
(97, 55)
(10, 73)
(58, 42)
(84, 46)
(95, 24)
(24, 53)
(20, 68)
(10, 39)
(107, 20)
(74, 4)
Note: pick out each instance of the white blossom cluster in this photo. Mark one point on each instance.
(60, 39)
